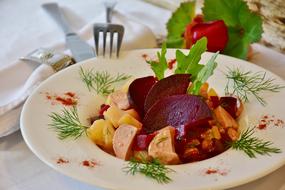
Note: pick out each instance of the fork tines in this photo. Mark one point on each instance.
(108, 28)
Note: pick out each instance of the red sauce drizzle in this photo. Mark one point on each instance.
(66, 99)
(70, 94)
(269, 120)
(216, 171)
(89, 163)
(211, 171)
(62, 161)
(171, 63)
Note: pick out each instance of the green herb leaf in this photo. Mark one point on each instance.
(244, 26)
(67, 123)
(177, 23)
(252, 145)
(159, 67)
(243, 84)
(153, 169)
(203, 75)
(190, 63)
(102, 82)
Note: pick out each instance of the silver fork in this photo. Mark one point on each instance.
(108, 28)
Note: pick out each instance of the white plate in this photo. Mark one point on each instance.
(234, 167)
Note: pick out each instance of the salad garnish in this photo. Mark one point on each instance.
(159, 66)
(102, 81)
(203, 75)
(246, 83)
(252, 145)
(187, 64)
(67, 123)
(190, 63)
(152, 169)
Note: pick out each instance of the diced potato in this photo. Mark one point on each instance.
(216, 132)
(128, 119)
(133, 113)
(123, 141)
(101, 132)
(95, 132)
(212, 92)
(113, 114)
(108, 134)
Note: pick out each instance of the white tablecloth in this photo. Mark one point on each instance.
(24, 27)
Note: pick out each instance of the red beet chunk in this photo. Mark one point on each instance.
(142, 141)
(175, 111)
(215, 101)
(229, 103)
(103, 108)
(172, 85)
(138, 91)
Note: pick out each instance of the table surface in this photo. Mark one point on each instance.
(20, 169)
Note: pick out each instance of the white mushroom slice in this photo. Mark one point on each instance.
(162, 146)
(120, 99)
(123, 140)
(224, 118)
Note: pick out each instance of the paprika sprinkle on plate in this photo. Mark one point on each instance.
(89, 163)
(62, 161)
(66, 99)
(269, 121)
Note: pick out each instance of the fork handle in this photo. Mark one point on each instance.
(56, 14)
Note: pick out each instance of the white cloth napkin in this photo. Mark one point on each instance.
(27, 76)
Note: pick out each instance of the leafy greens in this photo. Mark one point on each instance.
(159, 67)
(187, 64)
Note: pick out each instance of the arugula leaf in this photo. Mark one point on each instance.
(159, 67)
(190, 63)
(244, 26)
(203, 75)
(177, 23)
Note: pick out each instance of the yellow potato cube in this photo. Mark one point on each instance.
(128, 119)
(212, 92)
(133, 113)
(95, 132)
(108, 134)
(113, 114)
(101, 133)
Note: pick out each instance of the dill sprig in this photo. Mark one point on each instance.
(252, 145)
(67, 123)
(248, 83)
(152, 169)
(102, 82)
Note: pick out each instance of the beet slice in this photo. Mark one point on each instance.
(229, 103)
(176, 110)
(172, 85)
(138, 91)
